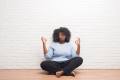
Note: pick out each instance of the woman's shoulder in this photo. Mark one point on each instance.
(71, 43)
(52, 44)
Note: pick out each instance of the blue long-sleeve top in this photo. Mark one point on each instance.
(60, 52)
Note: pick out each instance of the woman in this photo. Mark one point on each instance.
(61, 58)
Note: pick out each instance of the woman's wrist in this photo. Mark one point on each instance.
(44, 43)
(78, 45)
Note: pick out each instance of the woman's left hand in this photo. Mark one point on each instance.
(77, 42)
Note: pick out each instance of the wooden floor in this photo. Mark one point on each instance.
(42, 75)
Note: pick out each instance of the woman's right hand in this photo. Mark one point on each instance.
(44, 40)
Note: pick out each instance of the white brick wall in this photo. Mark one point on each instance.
(96, 22)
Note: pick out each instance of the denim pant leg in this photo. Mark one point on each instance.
(50, 66)
(72, 64)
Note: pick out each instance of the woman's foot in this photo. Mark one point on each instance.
(73, 73)
(59, 73)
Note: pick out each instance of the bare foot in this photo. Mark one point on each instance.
(59, 73)
(73, 73)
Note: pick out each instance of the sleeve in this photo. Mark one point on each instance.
(49, 54)
(73, 52)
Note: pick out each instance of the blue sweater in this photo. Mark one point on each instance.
(60, 52)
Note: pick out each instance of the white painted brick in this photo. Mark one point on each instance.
(23, 22)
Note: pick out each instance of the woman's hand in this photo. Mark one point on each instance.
(44, 40)
(77, 42)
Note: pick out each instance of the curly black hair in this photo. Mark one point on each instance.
(65, 31)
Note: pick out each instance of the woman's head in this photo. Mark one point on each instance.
(61, 34)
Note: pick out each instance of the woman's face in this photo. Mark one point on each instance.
(62, 37)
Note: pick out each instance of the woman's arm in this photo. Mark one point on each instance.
(77, 42)
(48, 53)
(44, 40)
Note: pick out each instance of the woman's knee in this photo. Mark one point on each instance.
(48, 64)
(43, 64)
(79, 60)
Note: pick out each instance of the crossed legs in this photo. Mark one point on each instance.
(65, 67)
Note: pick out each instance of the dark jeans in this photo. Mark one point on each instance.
(67, 66)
